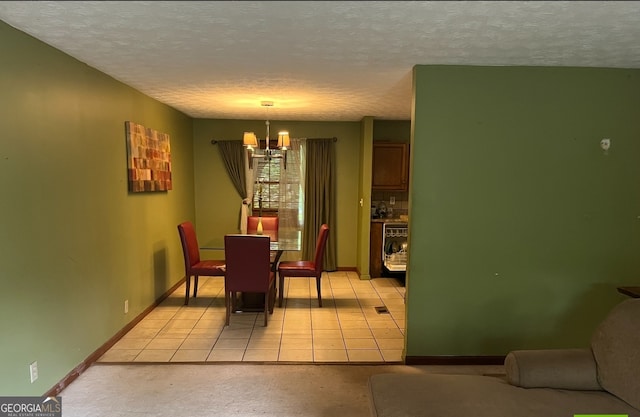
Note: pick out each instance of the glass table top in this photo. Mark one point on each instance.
(280, 241)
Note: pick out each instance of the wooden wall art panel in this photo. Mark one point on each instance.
(148, 159)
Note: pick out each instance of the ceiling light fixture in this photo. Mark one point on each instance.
(252, 143)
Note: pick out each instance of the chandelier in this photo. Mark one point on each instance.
(252, 143)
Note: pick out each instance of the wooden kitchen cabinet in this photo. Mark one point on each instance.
(375, 250)
(390, 166)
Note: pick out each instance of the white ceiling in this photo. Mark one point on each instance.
(322, 60)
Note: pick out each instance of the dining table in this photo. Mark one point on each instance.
(280, 241)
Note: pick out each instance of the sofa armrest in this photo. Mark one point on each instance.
(573, 369)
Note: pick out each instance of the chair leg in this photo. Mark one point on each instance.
(234, 298)
(186, 294)
(276, 259)
(318, 285)
(227, 304)
(272, 297)
(266, 306)
(195, 287)
(280, 289)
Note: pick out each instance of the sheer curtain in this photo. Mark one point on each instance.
(250, 175)
(291, 204)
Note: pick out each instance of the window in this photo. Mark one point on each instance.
(268, 176)
(282, 189)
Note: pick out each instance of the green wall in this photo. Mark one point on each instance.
(521, 226)
(392, 130)
(218, 204)
(74, 244)
(364, 191)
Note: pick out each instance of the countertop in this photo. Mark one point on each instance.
(385, 220)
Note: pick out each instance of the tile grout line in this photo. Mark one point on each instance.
(345, 278)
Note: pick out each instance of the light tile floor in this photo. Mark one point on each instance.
(347, 328)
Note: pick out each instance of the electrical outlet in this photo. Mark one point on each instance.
(126, 306)
(33, 371)
(392, 200)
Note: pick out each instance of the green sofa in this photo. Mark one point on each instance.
(601, 379)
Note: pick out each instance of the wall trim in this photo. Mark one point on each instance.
(455, 360)
(91, 359)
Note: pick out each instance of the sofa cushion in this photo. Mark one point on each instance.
(433, 395)
(552, 368)
(616, 349)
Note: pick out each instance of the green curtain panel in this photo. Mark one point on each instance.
(320, 191)
(232, 153)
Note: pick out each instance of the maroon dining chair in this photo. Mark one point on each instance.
(248, 271)
(270, 227)
(193, 265)
(268, 224)
(305, 269)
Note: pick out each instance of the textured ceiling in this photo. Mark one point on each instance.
(324, 60)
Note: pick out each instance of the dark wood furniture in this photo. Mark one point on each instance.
(633, 292)
(375, 250)
(390, 170)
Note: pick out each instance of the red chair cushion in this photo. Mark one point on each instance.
(297, 268)
(208, 268)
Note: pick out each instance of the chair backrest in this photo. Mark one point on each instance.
(268, 223)
(190, 248)
(247, 263)
(321, 243)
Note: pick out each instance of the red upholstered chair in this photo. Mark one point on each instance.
(269, 227)
(248, 270)
(308, 269)
(193, 265)
(268, 224)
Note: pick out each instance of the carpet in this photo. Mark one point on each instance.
(229, 390)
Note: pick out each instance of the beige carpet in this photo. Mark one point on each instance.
(230, 390)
